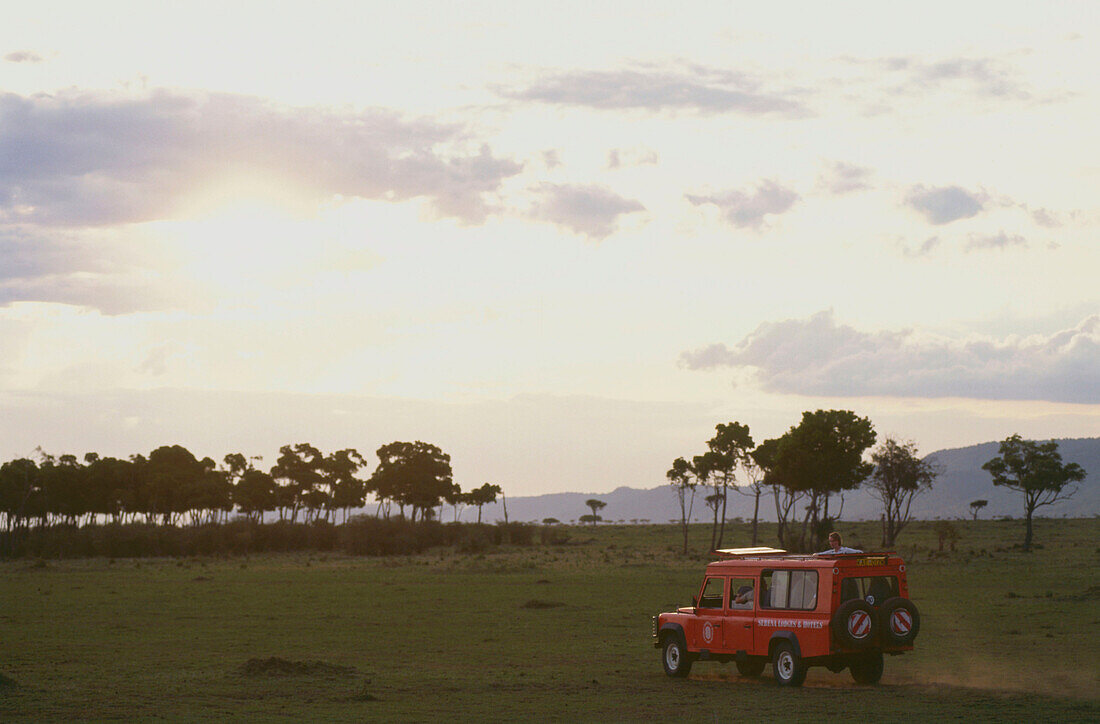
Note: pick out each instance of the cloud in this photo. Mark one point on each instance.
(944, 204)
(819, 357)
(87, 158)
(844, 178)
(23, 56)
(925, 249)
(986, 77)
(1046, 218)
(698, 89)
(583, 209)
(620, 157)
(1000, 240)
(748, 209)
(113, 274)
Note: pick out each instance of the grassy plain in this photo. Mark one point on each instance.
(538, 633)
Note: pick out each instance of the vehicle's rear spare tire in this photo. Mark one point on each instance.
(854, 624)
(900, 621)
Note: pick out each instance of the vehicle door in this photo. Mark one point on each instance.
(737, 628)
(710, 615)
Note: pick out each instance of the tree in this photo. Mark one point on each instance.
(707, 469)
(344, 490)
(1036, 470)
(682, 478)
(253, 490)
(755, 473)
(302, 467)
(977, 505)
(820, 457)
(254, 494)
(898, 477)
(727, 450)
(415, 474)
(596, 506)
(945, 532)
(485, 495)
(175, 482)
(18, 490)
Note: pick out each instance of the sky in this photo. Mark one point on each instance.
(561, 241)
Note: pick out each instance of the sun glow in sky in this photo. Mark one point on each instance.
(561, 242)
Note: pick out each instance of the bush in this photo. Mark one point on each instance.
(549, 536)
(360, 536)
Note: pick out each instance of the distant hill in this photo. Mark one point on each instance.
(962, 481)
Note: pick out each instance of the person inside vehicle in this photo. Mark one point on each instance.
(743, 599)
(837, 546)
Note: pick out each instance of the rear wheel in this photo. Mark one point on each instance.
(787, 666)
(675, 657)
(752, 667)
(867, 669)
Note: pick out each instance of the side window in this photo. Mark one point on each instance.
(789, 589)
(742, 592)
(712, 593)
(806, 597)
(775, 583)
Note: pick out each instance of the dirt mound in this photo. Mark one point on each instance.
(276, 666)
(536, 603)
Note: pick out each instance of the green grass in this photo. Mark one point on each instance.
(1005, 635)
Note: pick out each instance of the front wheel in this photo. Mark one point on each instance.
(867, 669)
(675, 657)
(787, 666)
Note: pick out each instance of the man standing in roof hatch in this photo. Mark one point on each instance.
(837, 546)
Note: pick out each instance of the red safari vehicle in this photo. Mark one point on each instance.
(761, 605)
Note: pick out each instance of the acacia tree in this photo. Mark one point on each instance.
(727, 450)
(485, 495)
(820, 457)
(755, 474)
(682, 478)
(301, 466)
(415, 474)
(1036, 470)
(172, 477)
(596, 506)
(898, 477)
(706, 467)
(343, 490)
(18, 489)
(786, 497)
(976, 506)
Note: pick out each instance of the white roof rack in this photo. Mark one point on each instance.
(758, 551)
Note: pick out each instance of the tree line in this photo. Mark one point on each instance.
(171, 486)
(809, 468)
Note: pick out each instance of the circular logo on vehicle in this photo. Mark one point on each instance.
(859, 624)
(708, 632)
(901, 622)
